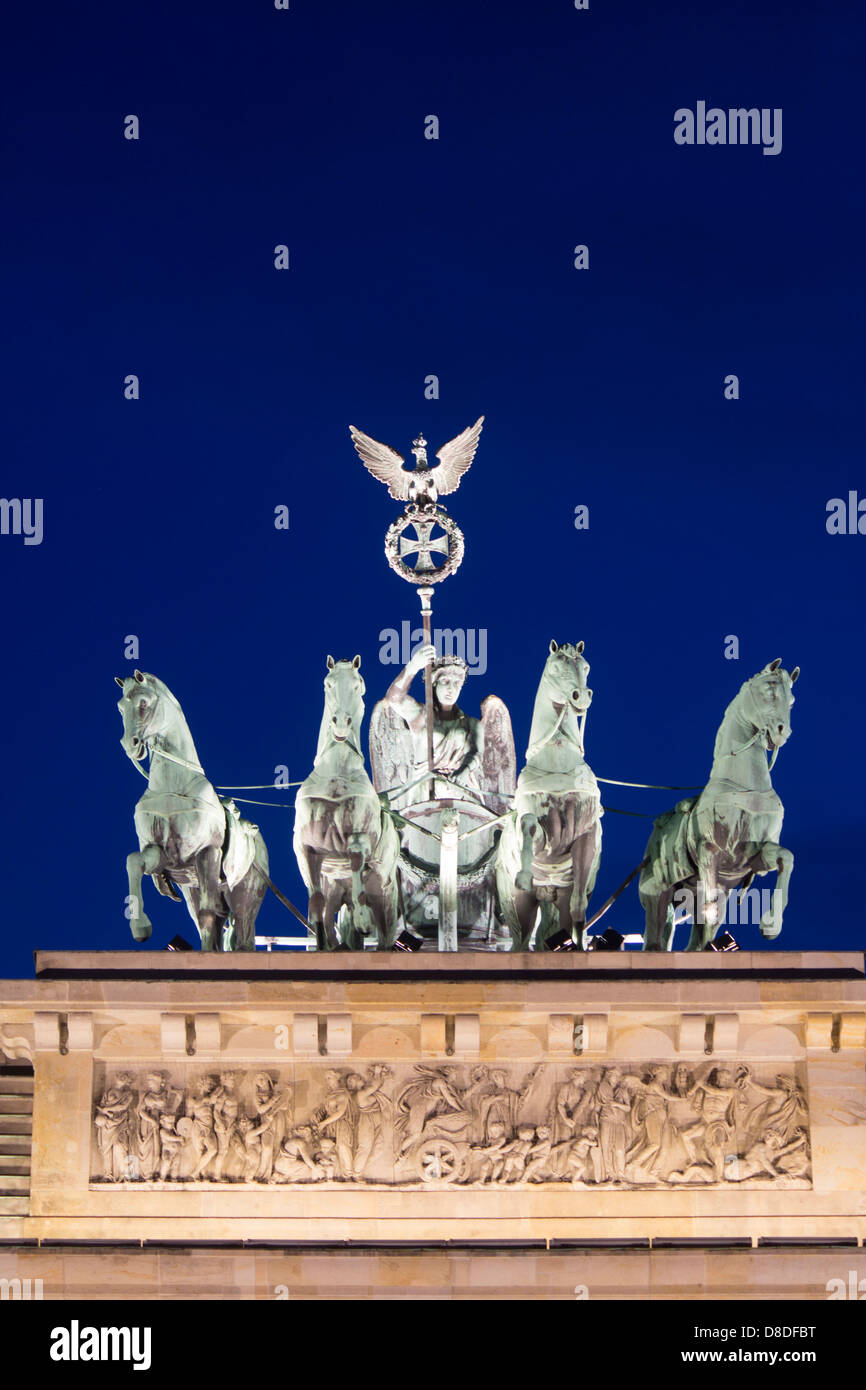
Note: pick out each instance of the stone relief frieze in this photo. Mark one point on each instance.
(646, 1125)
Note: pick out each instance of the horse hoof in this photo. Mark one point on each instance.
(769, 929)
(141, 928)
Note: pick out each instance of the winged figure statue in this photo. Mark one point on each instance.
(422, 485)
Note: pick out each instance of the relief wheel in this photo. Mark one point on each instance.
(439, 1161)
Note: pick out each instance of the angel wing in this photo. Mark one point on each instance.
(499, 776)
(454, 458)
(385, 463)
(392, 752)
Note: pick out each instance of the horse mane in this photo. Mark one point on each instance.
(161, 688)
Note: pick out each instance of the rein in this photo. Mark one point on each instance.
(220, 787)
(193, 767)
(759, 733)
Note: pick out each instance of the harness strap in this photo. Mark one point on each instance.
(542, 743)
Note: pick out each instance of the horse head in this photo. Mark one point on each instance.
(344, 701)
(148, 709)
(765, 703)
(564, 678)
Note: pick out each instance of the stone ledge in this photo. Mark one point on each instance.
(492, 966)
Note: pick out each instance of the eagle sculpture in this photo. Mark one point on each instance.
(423, 485)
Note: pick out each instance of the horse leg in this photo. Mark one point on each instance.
(525, 910)
(773, 856)
(711, 903)
(246, 898)
(529, 828)
(560, 918)
(334, 898)
(211, 906)
(382, 902)
(656, 900)
(648, 892)
(362, 918)
(585, 857)
(192, 898)
(553, 914)
(321, 914)
(310, 865)
(141, 862)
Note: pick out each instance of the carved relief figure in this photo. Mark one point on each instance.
(356, 1110)
(585, 1161)
(764, 1157)
(503, 1104)
(649, 1117)
(251, 1135)
(781, 1107)
(199, 1109)
(714, 1100)
(271, 1103)
(614, 1105)
(573, 1106)
(538, 1157)
(487, 1161)
(297, 1159)
(517, 1153)
(171, 1141)
(114, 1129)
(154, 1103)
(226, 1108)
(432, 1094)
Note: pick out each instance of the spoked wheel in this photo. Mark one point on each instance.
(439, 1161)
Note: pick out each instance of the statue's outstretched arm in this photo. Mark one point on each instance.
(398, 691)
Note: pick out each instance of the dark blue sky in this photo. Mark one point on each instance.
(410, 257)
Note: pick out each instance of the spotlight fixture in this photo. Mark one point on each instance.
(725, 942)
(177, 943)
(561, 941)
(408, 941)
(609, 941)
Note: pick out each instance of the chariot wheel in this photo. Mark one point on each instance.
(439, 1160)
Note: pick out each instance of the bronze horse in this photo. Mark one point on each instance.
(187, 835)
(345, 843)
(550, 846)
(719, 840)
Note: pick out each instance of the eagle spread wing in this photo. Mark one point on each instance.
(455, 457)
(385, 463)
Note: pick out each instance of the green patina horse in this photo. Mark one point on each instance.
(345, 843)
(187, 835)
(550, 846)
(712, 843)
